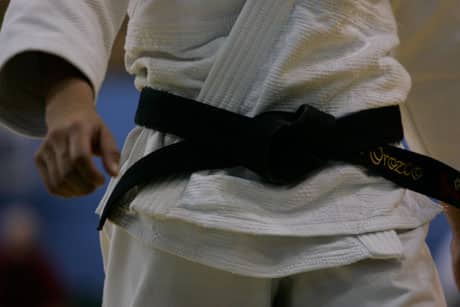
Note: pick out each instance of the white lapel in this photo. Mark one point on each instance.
(249, 42)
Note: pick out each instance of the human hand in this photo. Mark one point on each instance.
(75, 133)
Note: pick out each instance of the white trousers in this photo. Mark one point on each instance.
(141, 276)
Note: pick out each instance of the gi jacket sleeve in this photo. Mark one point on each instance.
(79, 31)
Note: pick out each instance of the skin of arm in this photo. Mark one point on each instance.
(75, 132)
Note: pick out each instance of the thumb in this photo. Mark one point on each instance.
(109, 152)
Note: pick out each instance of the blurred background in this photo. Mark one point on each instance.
(57, 238)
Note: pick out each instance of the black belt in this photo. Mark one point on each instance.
(282, 147)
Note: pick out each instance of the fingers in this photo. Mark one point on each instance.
(80, 156)
(48, 172)
(51, 171)
(65, 161)
(109, 152)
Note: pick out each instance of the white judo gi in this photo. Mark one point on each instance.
(224, 238)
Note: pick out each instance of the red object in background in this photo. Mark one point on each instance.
(27, 280)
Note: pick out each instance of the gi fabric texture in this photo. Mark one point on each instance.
(248, 57)
(145, 277)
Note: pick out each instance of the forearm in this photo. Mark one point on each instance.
(46, 78)
(65, 90)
